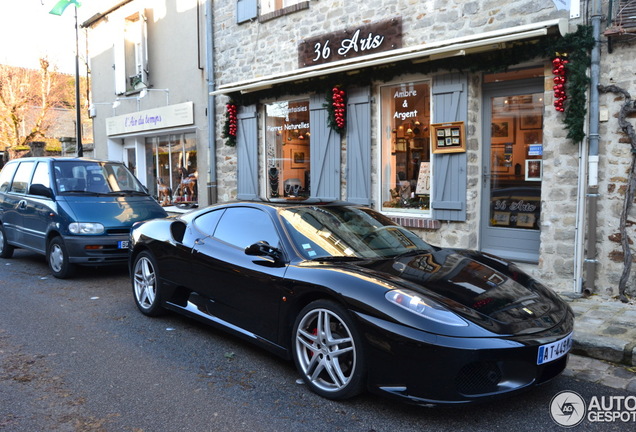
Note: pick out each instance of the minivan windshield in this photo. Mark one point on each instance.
(93, 177)
(338, 232)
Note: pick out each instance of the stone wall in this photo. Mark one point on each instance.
(251, 49)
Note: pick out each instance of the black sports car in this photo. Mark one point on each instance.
(357, 301)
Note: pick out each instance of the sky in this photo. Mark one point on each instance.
(28, 31)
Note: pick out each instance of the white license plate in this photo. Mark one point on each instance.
(554, 350)
(122, 244)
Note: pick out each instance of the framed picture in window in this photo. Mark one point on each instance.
(448, 137)
(534, 169)
(531, 121)
(502, 130)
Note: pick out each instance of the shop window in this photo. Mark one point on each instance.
(247, 10)
(287, 140)
(131, 55)
(172, 169)
(406, 153)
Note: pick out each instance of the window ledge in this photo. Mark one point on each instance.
(413, 222)
(283, 11)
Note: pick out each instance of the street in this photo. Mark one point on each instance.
(76, 355)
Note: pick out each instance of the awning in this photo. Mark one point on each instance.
(471, 44)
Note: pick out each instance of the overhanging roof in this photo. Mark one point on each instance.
(482, 42)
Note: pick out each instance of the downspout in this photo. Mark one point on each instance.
(592, 190)
(212, 183)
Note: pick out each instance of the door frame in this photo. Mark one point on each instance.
(511, 243)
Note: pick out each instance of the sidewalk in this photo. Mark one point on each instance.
(604, 341)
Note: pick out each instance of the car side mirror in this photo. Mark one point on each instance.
(262, 248)
(40, 190)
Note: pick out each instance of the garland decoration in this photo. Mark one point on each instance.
(336, 108)
(559, 70)
(231, 124)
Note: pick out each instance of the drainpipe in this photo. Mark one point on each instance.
(209, 34)
(592, 190)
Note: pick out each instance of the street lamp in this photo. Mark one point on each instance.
(144, 92)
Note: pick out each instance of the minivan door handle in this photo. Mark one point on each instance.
(22, 204)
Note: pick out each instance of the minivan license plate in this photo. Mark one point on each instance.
(122, 244)
(554, 350)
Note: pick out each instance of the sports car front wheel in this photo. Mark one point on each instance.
(145, 284)
(327, 350)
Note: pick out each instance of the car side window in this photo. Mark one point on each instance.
(22, 178)
(6, 175)
(41, 175)
(206, 223)
(243, 226)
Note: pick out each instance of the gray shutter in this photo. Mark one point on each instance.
(246, 10)
(247, 153)
(324, 153)
(359, 147)
(450, 104)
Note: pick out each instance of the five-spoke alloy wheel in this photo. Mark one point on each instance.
(145, 285)
(327, 350)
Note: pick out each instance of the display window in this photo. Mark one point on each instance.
(287, 141)
(172, 169)
(406, 150)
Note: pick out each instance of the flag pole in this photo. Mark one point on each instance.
(78, 113)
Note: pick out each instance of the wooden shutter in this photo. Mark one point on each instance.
(324, 153)
(359, 147)
(246, 10)
(247, 153)
(450, 104)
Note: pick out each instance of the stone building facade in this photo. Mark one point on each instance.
(451, 127)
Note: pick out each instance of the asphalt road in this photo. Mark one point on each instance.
(76, 355)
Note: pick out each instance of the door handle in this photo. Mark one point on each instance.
(22, 204)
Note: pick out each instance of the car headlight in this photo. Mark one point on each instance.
(424, 307)
(86, 228)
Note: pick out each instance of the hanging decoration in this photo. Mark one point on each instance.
(559, 70)
(336, 106)
(231, 124)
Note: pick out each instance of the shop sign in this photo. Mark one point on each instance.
(156, 118)
(349, 43)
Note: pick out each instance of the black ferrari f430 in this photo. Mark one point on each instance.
(358, 302)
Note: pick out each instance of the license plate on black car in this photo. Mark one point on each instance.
(555, 350)
(122, 244)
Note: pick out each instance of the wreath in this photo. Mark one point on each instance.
(231, 124)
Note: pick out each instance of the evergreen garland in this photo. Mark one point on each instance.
(577, 44)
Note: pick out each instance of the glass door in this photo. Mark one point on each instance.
(513, 169)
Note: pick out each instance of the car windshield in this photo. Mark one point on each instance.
(94, 177)
(341, 231)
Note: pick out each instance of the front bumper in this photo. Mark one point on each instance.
(97, 250)
(427, 369)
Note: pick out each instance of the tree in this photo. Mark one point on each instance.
(28, 99)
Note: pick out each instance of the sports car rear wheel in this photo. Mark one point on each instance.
(146, 285)
(327, 350)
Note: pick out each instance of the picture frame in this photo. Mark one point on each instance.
(534, 136)
(531, 121)
(500, 161)
(534, 169)
(297, 159)
(502, 130)
(448, 137)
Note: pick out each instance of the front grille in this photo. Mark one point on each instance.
(479, 378)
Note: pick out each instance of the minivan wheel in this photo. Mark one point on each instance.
(58, 260)
(6, 250)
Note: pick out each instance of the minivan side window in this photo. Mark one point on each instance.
(22, 177)
(41, 175)
(6, 175)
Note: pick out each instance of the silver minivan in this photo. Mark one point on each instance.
(75, 211)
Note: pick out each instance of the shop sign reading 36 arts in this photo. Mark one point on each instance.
(344, 44)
